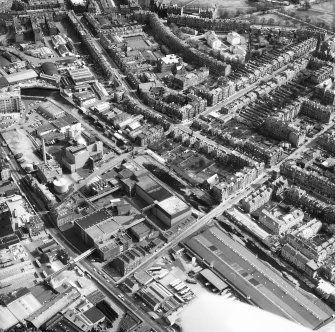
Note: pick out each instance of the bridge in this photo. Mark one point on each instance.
(72, 262)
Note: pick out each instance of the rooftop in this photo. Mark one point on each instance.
(266, 288)
(93, 218)
(21, 76)
(214, 279)
(173, 205)
(170, 59)
(24, 306)
(152, 188)
(94, 315)
(7, 319)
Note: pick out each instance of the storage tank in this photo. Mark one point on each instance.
(29, 168)
(61, 186)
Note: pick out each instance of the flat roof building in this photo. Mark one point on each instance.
(75, 157)
(24, 75)
(52, 307)
(149, 190)
(7, 319)
(213, 279)
(172, 210)
(265, 288)
(81, 76)
(24, 306)
(97, 226)
(50, 110)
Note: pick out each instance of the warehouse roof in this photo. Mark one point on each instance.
(7, 319)
(21, 76)
(214, 279)
(50, 109)
(24, 306)
(94, 315)
(173, 205)
(93, 218)
(152, 188)
(265, 287)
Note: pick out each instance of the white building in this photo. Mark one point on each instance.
(233, 38)
(213, 41)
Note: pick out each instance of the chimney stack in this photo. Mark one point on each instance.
(44, 152)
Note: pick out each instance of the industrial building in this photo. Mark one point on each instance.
(167, 208)
(50, 110)
(251, 277)
(48, 172)
(52, 307)
(172, 210)
(140, 231)
(97, 226)
(75, 157)
(149, 190)
(213, 279)
(81, 76)
(84, 98)
(128, 260)
(21, 76)
(154, 295)
(22, 304)
(10, 102)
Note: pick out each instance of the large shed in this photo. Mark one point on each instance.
(213, 279)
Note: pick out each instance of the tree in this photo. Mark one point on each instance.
(18, 5)
(271, 21)
(224, 14)
(240, 12)
(307, 19)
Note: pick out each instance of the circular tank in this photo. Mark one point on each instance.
(60, 186)
(29, 168)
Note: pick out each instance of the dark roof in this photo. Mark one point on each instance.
(153, 189)
(60, 123)
(5, 224)
(11, 297)
(126, 173)
(49, 68)
(140, 228)
(70, 119)
(93, 218)
(3, 82)
(94, 315)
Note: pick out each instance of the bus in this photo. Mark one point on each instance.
(44, 274)
(163, 274)
(177, 284)
(187, 293)
(174, 282)
(180, 287)
(37, 262)
(154, 268)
